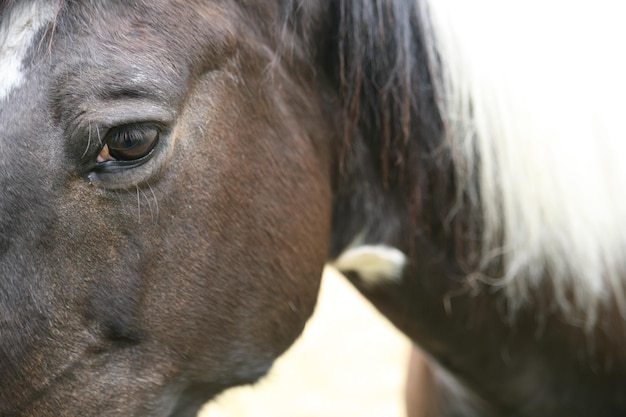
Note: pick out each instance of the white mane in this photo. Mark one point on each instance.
(531, 92)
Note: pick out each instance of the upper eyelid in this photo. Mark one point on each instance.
(102, 118)
(130, 126)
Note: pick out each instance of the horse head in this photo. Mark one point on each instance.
(165, 205)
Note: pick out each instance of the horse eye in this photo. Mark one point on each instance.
(128, 143)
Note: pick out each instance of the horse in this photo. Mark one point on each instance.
(174, 175)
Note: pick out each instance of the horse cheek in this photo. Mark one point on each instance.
(241, 240)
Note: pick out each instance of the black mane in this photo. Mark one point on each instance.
(386, 81)
(385, 75)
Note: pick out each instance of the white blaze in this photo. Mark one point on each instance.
(18, 28)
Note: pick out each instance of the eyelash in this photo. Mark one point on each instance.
(129, 143)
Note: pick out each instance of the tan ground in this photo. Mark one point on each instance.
(350, 362)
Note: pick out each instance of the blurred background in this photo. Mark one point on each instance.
(349, 361)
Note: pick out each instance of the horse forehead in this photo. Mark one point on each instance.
(19, 26)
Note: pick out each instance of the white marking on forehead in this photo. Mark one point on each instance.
(373, 263)
(17, 30)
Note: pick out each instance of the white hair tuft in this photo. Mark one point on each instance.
(531, 93)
